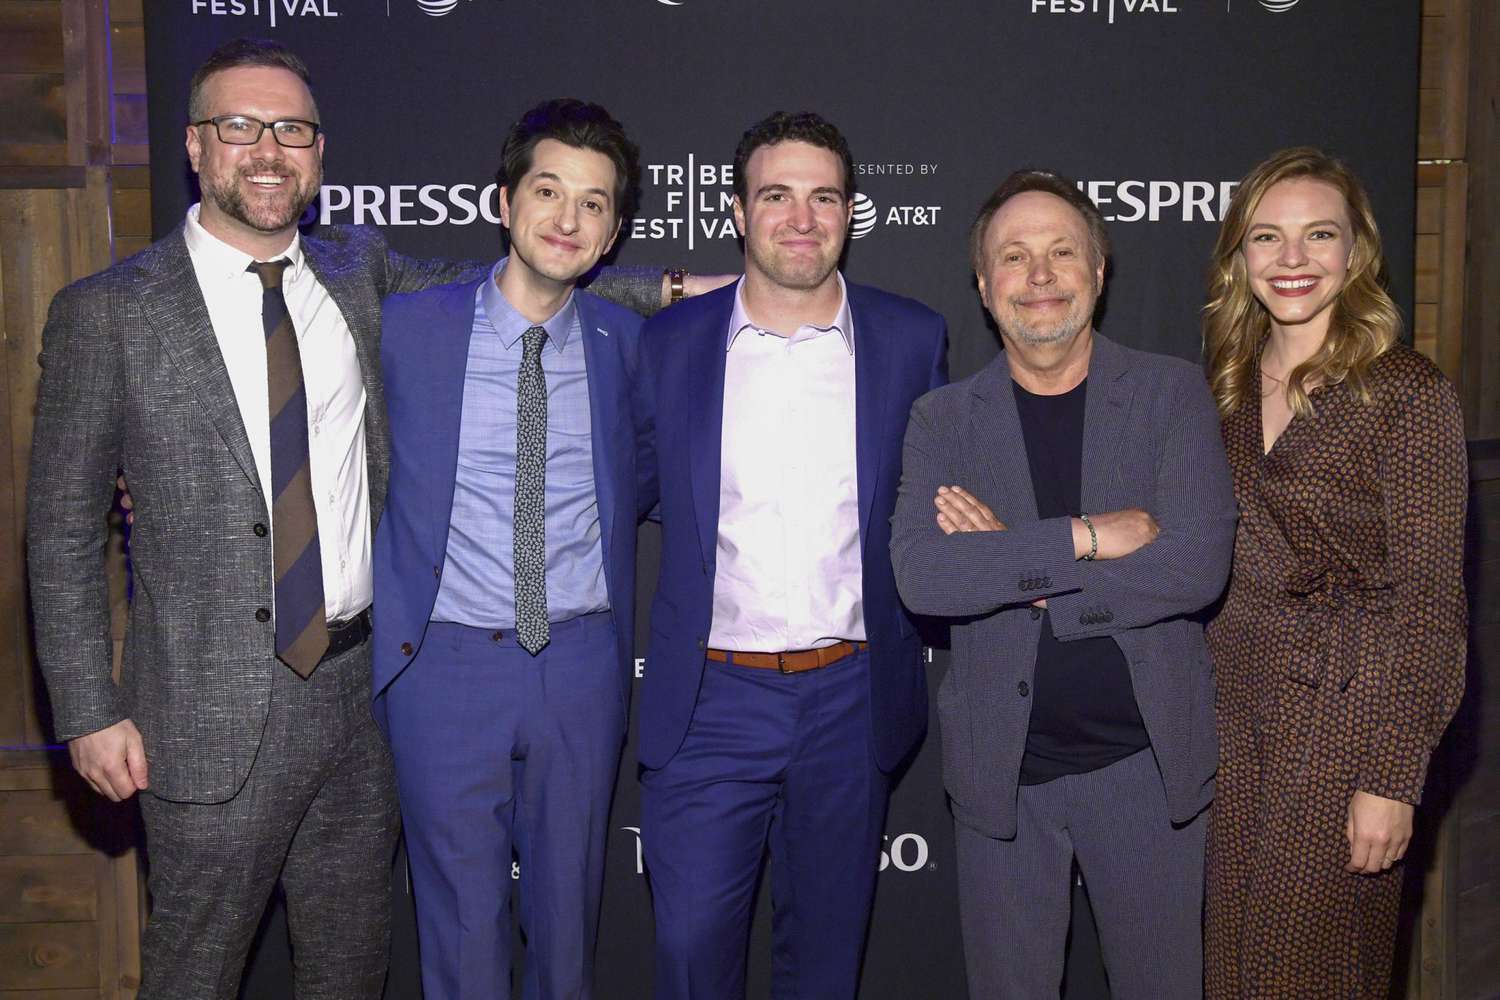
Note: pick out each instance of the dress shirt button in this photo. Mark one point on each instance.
(1023, 689)
(259, 529)
(1036, 613)
(406, 649)
(262, 614)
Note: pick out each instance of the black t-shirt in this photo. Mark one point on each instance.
(1083, 710)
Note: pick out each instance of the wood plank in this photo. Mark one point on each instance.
(131, 120)
(34, 178)
(49, 956)
(41, 822)
(34, 107)
(31, 37)
(86, 80)
(132, 212)
(126, 12)
(33, 153)
(48, 889)
(1429, 258)
(1450, 334)
(49, 994)
(1455, 84)
(1429, 208)
(1430, 59)
(1480, 387)
(1430, 124)
(128, 55)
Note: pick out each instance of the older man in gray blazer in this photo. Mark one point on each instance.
(1069, 509)
(232, 370)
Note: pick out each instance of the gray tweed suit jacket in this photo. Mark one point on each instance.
(132, 379)
(1150, 440)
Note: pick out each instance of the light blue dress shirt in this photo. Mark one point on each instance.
(478, 584)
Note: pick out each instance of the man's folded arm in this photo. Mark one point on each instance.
(971, 572)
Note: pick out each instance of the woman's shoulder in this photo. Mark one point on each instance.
(1401, 371)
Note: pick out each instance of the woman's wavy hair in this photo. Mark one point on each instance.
(1364, 322)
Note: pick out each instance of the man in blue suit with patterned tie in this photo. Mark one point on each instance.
(784, 680)
(505, 569)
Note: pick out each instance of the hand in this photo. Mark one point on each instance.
(112, 760)
(959, 510)
(1120, 533)
(126, 503)
(1378, 830)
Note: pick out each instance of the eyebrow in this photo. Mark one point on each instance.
(549, 175)
(1315, 222)
(766, 189)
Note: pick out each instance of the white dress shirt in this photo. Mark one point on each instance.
(789, 573)
(335, 400)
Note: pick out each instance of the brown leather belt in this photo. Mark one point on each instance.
(792, 662)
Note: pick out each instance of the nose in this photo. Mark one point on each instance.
(1041, 271)
(803, 218)
(1293, 253)
(567, 217)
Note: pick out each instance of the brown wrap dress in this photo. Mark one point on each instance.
(1339, 657)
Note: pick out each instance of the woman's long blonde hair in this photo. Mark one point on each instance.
(1364, 321)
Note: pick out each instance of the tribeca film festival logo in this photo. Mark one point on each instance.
(288, 9)
(696, 200)
(1108, 7)
(906, 852)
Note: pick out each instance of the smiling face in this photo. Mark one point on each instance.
(795, 216)
(253, 195)
(562, 214)
(1037, 275)
(1297, 251)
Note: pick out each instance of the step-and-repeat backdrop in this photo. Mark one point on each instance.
(1155, 106)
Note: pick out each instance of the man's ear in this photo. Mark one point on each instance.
(739, 215)
(504, 196)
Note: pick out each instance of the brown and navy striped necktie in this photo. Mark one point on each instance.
(301, 624)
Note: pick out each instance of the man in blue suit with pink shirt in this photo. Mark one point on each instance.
(505, 569)
(784, 681)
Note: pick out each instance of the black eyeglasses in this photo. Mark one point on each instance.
(242, 130)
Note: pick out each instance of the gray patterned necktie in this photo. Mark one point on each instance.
(529, 555)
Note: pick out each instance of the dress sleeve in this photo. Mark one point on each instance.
(1424, 481)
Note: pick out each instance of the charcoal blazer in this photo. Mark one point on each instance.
(425, 352)
(1150, 440)
(900, 352)
(132, 379)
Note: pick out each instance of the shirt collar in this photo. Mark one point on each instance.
(509, 324)
(224, 260)
(843, 321)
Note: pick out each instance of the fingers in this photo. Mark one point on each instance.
(946, 523)
(112, 761)
(135, 762)
(965, 511)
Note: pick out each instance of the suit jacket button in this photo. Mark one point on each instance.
(1036, 613)
(496, 635)
(259, 529)
(1085, 619)
(1023, 689)
(436, 573)
(1109, 616)
(1046, 581)
(406, 649)
(262, 614)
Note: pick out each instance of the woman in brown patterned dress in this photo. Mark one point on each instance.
(1340, 647)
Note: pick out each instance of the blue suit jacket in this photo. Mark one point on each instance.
(424, 352)
(900, 352)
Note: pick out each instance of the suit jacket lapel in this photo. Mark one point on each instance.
(606, 407)
(706, 411)
(874, 371)
(447, 361)
(172, 303)
(1105, 410)
(995, 429)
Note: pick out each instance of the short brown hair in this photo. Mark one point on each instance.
(244, 52)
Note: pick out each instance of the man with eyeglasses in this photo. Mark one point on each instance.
(232, 371)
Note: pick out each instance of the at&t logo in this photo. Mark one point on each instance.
(867, 213)
(437, 8)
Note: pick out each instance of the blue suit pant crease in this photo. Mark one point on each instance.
(1143, 874)
(318, 811)
(499, 753)
(774, 760)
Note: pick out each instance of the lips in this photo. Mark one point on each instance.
(567, 246)
(1293, 286)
